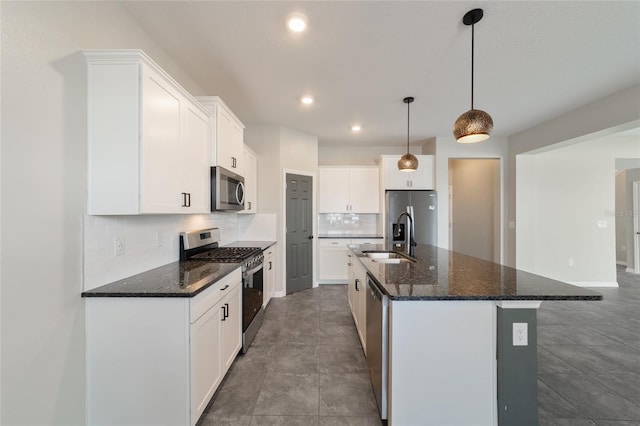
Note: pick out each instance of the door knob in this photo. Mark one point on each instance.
(311, 237)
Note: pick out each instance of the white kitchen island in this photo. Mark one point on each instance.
(453, 355)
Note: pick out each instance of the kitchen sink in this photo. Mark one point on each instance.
(387, 256)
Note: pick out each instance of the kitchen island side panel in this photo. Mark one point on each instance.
(442, 363)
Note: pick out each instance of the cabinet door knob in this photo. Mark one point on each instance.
(311, 237)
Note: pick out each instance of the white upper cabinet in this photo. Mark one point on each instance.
(148, 139)
(333, 186)
(348, 190)
(250, 174)
(392, 178)
(227, 135)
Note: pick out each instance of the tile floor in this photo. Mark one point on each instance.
(306, 366)
(589, 358)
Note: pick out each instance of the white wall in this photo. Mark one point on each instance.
(476, 207)
(565, 198)
(614, 113)
(280, 150)
(44, 196)
(347, 155)
(447, 148)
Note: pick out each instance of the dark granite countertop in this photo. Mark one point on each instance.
(440, 274)
(177, 279)
(353, 236)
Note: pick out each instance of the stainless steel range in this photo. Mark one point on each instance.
(204, 245)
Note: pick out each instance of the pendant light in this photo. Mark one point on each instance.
(408, 162)
(474, 125)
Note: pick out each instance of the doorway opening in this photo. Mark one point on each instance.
(627, 217)
(475, 207)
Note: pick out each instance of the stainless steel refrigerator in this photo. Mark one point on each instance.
(423, 208)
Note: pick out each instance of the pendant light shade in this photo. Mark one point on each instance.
(408, 162)
(474, 125)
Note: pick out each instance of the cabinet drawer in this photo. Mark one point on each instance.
(333, 242)
(204, 301)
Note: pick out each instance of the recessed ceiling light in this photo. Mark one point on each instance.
(307, 100)
(297, 22)
(356, 128)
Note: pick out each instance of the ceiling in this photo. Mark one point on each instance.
(534, 60)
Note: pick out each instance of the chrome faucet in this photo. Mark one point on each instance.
(411, 242)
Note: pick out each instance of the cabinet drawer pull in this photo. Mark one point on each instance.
(357, 281)
(224, 288)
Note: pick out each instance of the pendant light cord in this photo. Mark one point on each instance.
(472, 61)
(408, 115)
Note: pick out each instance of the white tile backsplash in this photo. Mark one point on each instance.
(150, 241)
(351, 223)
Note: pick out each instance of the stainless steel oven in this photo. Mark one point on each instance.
(227, 190)
(203, 245)
(252, 297)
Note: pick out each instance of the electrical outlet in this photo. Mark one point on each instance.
(520, 334)
(119, 246)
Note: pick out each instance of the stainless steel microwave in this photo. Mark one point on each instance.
(227, 190)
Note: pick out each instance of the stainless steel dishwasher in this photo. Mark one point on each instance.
(378, 343)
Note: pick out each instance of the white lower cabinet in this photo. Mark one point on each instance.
(269, 274)
(230, 326)
(357, 293)
(159, 360)
(332, 258)
(206, 372)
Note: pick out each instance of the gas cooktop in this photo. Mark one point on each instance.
(228, 254)
(203, 245)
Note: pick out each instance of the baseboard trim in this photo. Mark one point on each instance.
(621, 262)
(279, 294)
(595, 283)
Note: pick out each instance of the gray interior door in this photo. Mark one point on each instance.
(299, 232)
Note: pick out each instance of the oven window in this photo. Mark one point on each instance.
(251, 297)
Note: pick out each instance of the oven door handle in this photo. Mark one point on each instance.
(254, 270)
